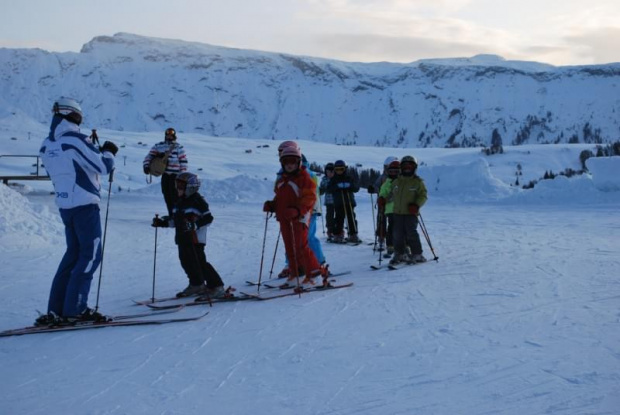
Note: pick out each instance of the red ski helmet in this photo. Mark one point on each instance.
(285, 144)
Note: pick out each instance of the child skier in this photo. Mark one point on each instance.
(386, 207)
(191, 217)
(375, 188)
(409, 195)
(313, 241)
(342, 186)
(295, 196)
(330, 214)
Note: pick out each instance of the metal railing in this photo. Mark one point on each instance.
(33, 175)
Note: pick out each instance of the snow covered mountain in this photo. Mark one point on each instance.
(134, 83)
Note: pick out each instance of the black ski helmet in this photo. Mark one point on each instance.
(170, 134)
(340, 166)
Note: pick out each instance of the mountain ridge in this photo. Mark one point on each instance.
(138, 83)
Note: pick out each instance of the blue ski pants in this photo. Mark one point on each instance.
(71, 285)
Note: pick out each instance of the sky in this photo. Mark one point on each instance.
(558, 32)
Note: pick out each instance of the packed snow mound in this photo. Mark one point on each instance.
(23, 224)
(472, 181)
(605, 172)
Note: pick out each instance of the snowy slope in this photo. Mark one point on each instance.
(518, 316)
(134, 83)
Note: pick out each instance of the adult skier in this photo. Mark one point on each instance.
(191, 217)
(175, 160)
(74, 165)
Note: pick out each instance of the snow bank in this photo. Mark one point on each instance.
(605, 172)
(472, 181)
(23, 223)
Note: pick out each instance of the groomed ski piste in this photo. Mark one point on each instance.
(520, 315)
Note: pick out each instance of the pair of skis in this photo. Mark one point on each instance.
(400, 265)
(271, 284)
(244, 296)
(344, 242)
(116, 321)
(294, 291)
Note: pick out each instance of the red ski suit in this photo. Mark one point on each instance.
(298, 191)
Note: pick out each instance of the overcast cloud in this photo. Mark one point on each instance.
(560, 32)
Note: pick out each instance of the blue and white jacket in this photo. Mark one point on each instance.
(74, 164)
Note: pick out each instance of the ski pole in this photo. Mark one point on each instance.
(374, 226)
(381, 233)
(293, 261)
(262, 255)
(321, 212)
(428, 239)
(351, 217)
(154, 259)
(275, 252)
(105, 231)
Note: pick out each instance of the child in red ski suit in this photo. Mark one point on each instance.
(295, 196)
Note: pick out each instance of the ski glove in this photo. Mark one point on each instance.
(291, 213)
(110, 146)
(371, 189)
(269, 207)
(160, 222)
(413, 209)
(147, 170)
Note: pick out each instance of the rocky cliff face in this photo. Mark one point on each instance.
(129, 82)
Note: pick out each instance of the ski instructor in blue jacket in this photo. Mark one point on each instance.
(74, 164)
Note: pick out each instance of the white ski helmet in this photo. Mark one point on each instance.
(69, 109)
(388, 160)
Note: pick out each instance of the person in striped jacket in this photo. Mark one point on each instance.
(176, 164)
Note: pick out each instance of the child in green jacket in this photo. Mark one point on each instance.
(408, 195)
(386, 207)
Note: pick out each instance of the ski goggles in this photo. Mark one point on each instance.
(290, 160)
(170, 132)
(340, 169)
